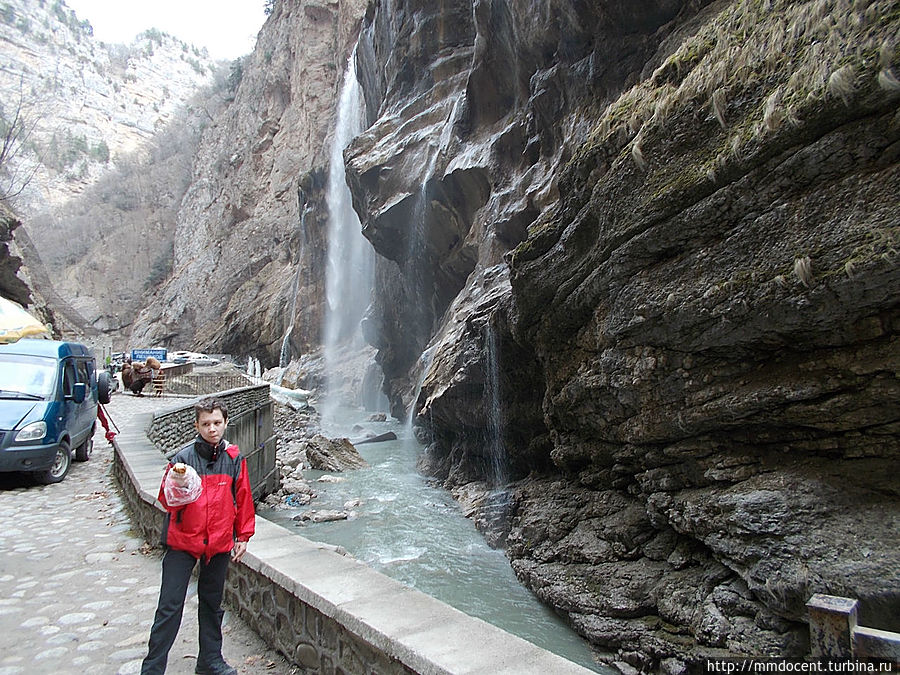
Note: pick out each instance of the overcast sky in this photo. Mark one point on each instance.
(227, 28)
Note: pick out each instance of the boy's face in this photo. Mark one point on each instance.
(211, 426)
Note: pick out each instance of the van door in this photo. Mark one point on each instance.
(87, 409)
(68, 408)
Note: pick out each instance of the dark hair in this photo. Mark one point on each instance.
(207, 405)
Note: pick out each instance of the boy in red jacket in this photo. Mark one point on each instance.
(212, 529)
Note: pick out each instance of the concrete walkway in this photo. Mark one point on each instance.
(78, 589)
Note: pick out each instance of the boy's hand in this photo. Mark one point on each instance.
(240, 547)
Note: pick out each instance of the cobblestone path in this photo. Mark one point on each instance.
(78, 588)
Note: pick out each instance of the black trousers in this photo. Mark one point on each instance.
(176, 575)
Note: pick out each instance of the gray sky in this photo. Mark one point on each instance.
(227, 28)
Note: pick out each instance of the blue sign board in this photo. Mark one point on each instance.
(143, 354)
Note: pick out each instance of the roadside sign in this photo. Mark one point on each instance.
(144, 354)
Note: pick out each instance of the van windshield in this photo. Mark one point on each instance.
(27, 376)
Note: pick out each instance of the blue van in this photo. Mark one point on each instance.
(49, 393)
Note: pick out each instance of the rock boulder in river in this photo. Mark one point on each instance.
(333, 454)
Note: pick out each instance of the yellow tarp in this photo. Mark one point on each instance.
(16, 323)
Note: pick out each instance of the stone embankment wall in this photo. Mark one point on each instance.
(324, 611)
(174, 428)
(250, 426)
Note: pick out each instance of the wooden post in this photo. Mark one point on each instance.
(832, 621)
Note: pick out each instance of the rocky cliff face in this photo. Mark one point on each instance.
(639, 268)
(252, 225)
(17, 281)
(637, 274)
(84, 114)
(89, 103)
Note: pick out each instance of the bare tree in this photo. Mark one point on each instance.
(16, 127)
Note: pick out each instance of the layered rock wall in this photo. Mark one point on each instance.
(665, 233)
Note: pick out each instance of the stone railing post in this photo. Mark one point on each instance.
(832, 621)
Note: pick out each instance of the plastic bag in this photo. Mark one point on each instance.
(182, 485)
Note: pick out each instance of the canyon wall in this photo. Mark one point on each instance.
(636, 279)
(78, 114)
(241, 238)
(638, 269)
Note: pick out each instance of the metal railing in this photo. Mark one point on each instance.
(252, 431)
(834, 633)
(198, 384)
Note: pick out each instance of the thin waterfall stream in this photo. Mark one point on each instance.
(499, 470)
(285, 354)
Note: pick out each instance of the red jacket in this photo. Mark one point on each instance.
(223, 512)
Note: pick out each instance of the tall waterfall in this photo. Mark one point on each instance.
(351, 260)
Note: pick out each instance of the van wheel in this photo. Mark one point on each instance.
(60, 468)
(83, 451)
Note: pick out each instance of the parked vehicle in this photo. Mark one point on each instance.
(197, 358)
(49, 392)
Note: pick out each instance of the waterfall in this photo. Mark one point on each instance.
(498, 465)
(350, 271)
(423, 365)
(284, 356)
(254, 370)
(417, 235)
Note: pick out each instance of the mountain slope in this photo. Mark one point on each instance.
(97, 118)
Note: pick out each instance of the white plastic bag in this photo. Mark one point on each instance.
(182, 485)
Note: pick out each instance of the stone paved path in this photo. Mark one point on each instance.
(78, 588)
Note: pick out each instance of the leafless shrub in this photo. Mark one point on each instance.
(842, 83)
(803, 270)
(718, 106)
(17, 124)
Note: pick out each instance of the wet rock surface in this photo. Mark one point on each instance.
(686, 256)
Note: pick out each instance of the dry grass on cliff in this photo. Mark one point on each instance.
(757, 66)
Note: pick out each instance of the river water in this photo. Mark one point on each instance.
(416, 533)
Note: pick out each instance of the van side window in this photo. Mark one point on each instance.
(69, 378)
(84, 372)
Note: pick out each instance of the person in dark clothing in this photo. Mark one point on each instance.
(212, 529)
